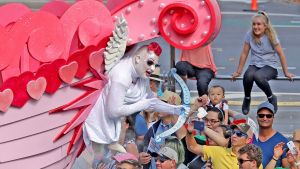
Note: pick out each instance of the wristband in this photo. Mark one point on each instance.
(190, 133)
(274, 158)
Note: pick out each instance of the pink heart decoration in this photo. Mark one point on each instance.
(96, 60)
(6, 98)
(36, 88)
(67, 72)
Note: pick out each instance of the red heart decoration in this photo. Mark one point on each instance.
(50, 72)
(82, 57)
(67, 72)
(6, 98)
(96, 60)
(18, 86)
(36, 88)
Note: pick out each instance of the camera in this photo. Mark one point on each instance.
(199, 125)
(292, 147)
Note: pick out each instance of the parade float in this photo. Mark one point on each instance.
(53, 67)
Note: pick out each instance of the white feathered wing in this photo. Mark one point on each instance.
(117, 44)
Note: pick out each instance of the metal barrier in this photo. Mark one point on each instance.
(228, 77)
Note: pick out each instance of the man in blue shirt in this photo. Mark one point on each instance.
(165, 123)
(268, 138)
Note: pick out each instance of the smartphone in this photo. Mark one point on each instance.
(199, 125)
(292, 147)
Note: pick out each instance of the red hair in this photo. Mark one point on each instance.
(153, 46)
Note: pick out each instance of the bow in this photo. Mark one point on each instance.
(184, 111)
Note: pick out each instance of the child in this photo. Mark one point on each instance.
(216, 95)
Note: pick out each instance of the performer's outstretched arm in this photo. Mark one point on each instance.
(117, 108)
(116, 105)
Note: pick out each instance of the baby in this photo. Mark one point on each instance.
(216, 95)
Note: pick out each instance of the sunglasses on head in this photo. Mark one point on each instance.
(133, 162)
(241, 161)
(162, 159)
(261, 13)
(265, 115)
(239, 133)
(264, 14)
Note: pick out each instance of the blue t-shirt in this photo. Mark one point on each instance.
(267, 148)
(140, 125)
(262, 54)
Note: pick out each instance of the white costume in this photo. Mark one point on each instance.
(124, 94)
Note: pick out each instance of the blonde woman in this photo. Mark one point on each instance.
(262, 43)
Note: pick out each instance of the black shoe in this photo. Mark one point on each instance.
(246, 105)
(273, 101)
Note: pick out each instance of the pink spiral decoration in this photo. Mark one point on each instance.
(189, 26)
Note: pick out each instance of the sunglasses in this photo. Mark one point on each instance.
(241, 161)
(162, 159)
(239, 133)
(150, 62)
(265, 115)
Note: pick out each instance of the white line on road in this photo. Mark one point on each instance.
(218, 49)
(290, 68)
(286, 26)
(278, 93)
(295, 21)
(221, 68)
(245, 1)
(255, 94)
(251, 13)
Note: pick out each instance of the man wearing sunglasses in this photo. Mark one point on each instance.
(167, 158)
(268, 138)
(250, 157)
(221, 157)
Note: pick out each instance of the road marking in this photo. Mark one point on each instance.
(221, 68)
(295, 21)
(245, 1)
(286, 26)
(251, 13)
(253, 94)
(257, 93)
(218, 49)
(291, 68)
(256, 103)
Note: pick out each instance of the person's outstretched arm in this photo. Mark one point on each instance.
(191, 143)
(243, 58)
(216, 137)
(283, 62)
(278, 151)
(116, 106)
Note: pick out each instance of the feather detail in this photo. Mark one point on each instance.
(117, 44)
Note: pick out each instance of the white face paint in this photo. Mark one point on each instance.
(145, 63)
